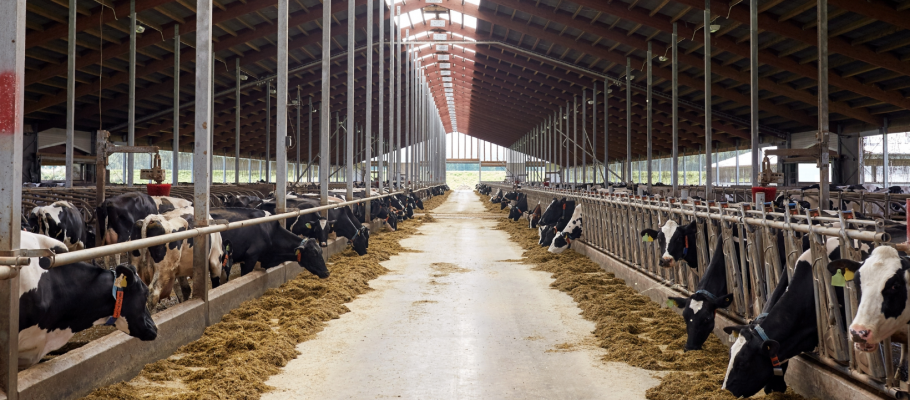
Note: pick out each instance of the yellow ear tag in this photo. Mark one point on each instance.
(120, 282)
(647, 238)
(848, 275)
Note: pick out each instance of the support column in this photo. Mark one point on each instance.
(606, 132)
(71, 91)
(268, 132)
(823, 127)
(380, 147)
(674, 168)
(349, 121)
(584, 135)
(309, 146)
(202, 178)
(297, 143)
(131, 100)
(753, 84)
(281, 131)
(236, 120)
(628, 118)
(886, 175)
(175, 164)
(12, 74)
(324, 116)
(575, 139)
(368, 132)
(709, 182)
(398, 102)
(649, 116)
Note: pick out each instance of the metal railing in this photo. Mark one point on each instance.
(749, 235)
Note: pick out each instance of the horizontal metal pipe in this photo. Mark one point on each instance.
(119, 248)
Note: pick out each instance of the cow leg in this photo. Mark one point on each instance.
(184, 289)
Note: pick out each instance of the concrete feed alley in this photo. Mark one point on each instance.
(456, 319)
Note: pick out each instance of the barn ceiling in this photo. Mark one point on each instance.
(518, 62)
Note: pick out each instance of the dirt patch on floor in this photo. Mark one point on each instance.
(234, 357)
(444, 269)
(633, 329)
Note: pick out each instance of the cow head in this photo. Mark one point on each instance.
(33, 223)
(361, 240)
(674, 241)
(417, 201)
(547, 233)
(520, 208)
(534, 217)
(135, 319)
(698, 311)
(552, 213)
(884, 306)
(309, 256)
(751, 367)
(226, 259)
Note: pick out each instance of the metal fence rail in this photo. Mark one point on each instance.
(749, 235)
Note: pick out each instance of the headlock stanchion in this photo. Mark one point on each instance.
(750, 234)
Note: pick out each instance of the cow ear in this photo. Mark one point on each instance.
(724, 301)
(648, 235)
(770, 347)
(678, 302)
(843, 265)
(735, 328)
(804, 204)
(127, 271)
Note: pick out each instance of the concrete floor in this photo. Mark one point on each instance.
(456, 321)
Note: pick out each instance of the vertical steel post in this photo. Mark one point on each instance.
(649, 116)
(736, 147)
(674, 167)
(398, 102)
(175, 164)
(606, 132)
(70, 91)
(407, 111)
(753, 84)
(12, 74)
(268, 131)
(297, 142)
(886, 158)
(584, 135)
(575, 139)
(324, 116)
(131, 100)
(368, 131)
(349, 121)
(309, 146)
(380, 147)
(594, 132)
(709, 182)
(237, 120)
(823, 127)
(629, 118)
(202, 179)
(281, 128)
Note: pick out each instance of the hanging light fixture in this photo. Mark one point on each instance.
(715, 28)
(140, 28)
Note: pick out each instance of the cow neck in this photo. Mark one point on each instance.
(689, 251)
(348, 230)
(715, 278)
(791, 322)
(89, 305)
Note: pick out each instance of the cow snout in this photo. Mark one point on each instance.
(862, 337)
(666, 262)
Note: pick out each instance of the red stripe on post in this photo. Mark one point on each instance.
(9, 112)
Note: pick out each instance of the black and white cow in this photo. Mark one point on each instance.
(534, 216)
(344, 224)
(240, 200)
(565, 209)
(497, 197)
(677, 243)
(268, 244)
(572, 231)
(308, 225)
(788, 329)
(62, 221)
(117, 214)
(56, 303)
(520, 208)
(884, 306)
(710, 295)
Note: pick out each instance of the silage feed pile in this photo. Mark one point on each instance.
(234, 358)
(632, 328)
